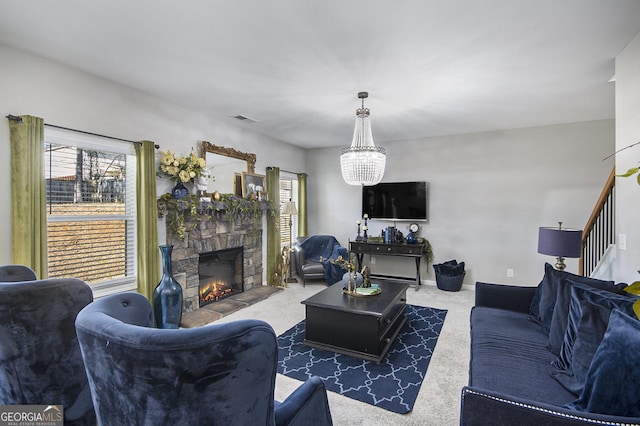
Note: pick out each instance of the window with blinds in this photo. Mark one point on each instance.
(90, 196)
(286, 194)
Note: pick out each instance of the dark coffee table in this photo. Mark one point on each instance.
(362, 327)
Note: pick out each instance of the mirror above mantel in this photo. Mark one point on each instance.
(225, 165)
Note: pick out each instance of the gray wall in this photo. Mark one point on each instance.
(489, 193)
(627, 263)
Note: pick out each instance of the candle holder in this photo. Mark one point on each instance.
(365, 228)
(359, 237)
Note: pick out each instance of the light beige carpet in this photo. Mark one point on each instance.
(438, 402)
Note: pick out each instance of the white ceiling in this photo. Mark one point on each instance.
(432, 67)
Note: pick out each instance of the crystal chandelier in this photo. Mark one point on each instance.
(362, 163)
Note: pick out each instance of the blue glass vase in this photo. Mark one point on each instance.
(411, 238)
(167, 297)
(179, 191)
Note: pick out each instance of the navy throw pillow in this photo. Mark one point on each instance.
(549, 291)
(559, 318)
(534, 309)
(580, 293)
(591, 328)
(547, 280)
(612, 385)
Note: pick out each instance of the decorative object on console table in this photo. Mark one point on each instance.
(365, 228)
(167, 297)
(411, 237)
(388, 235)
(359, 237)
(560, 242)
(290, 209)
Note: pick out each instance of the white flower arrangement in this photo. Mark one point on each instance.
(182, 169)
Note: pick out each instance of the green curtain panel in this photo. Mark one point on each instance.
(28, 197)
(302, 205)
(147, 219)
(273, 221)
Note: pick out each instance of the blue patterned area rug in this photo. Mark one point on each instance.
(393, 384)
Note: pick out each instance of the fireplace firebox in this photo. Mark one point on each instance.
(221, 274)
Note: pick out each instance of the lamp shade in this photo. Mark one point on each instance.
(560, 242)
(290, 208)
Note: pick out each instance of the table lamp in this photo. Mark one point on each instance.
(290, 209)
(560, 242)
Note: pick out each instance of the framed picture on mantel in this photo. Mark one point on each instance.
(253, 186)
(237, 184)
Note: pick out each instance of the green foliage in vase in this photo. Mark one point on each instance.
(632, 171)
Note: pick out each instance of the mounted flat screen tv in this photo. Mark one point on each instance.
(395, 201)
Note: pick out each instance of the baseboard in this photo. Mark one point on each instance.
(434, 284)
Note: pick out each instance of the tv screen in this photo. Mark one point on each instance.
(395, 201)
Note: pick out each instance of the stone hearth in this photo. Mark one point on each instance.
(222, 308)
(216, 234)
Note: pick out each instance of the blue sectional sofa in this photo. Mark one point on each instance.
(564, 353)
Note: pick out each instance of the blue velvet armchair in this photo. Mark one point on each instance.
(14, 273)
(40, 360)
(220, 374)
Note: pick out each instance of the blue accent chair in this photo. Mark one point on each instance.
(220, 374)
(14, 273)
(40, 360)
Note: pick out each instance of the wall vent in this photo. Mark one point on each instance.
(245, 118)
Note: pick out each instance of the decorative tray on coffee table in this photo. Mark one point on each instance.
(374, 290)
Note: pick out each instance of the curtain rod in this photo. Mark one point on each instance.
(289, 171)
(286, 171)
(19, 120)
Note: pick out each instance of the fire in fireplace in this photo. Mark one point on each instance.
(221, 274)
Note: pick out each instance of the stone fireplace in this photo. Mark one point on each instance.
(218, 234)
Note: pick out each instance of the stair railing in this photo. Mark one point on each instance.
(600, 231)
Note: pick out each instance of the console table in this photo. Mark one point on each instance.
(415, 251)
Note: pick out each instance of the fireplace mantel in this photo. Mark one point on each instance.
(217, 231)
(183, 215)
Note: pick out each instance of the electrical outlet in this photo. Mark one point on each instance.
(622, 241)
(510, 273)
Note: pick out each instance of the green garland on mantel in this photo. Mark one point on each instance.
(232, 206)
